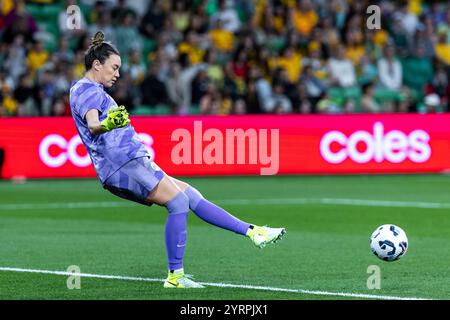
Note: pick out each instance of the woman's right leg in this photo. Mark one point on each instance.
(167, 194)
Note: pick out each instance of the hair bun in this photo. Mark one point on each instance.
(98, 38)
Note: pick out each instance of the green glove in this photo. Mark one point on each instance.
(117, 118)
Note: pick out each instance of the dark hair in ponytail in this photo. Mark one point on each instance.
(99, 50)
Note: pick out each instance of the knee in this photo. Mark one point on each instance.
(194, 197)
(178, 204)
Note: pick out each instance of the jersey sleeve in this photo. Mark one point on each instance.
(92, 98)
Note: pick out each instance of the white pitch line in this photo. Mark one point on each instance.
(214, 284)
(277, 201)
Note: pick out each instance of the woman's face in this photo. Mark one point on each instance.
(109, 71)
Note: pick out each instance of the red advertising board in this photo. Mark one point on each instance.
(242, 145)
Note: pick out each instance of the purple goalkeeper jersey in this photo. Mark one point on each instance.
(109, 151)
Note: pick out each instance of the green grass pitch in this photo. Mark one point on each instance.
(53, 224)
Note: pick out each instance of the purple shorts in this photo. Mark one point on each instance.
(135, 180)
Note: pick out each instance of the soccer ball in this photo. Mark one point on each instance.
(389, 242)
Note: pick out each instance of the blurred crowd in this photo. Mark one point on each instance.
(235, 56)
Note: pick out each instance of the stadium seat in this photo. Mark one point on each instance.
(194, 109)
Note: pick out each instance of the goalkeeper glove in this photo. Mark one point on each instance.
(117, 118)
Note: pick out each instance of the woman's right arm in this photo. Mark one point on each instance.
(93, 122)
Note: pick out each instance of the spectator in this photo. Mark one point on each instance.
(368, 102)
(180, 16)
(15, 62)
(314, 87)
(8, 105)
(367, 71)
(316, 62)
(47, 92)
(37, 56)
(191, 46)
(135, 67)
(417, 70)
(104, 24)
(120, 11)
(78, 67)
(355, 49)
(330, 34)
(200, 85)
(327, 106)
(432, 103)
(19, 22)
(442, 47)
(215, 72)
(304, 17)
(125, 93)
(301, 103)
(278, 101)
(25, 94)
(211, 102)
(290, 61)
(179, 83)
(408, 20)
(228, 15)
(153, 21)
(153, 90)
(390, 70)
(239, 107)
(251, 98)
(64, 78)
(440, 85)
(239, 64)
(61, 106)
(348, 106)
(127, 36)
(426, 37)
(221, 38)
(63, 52)
(342, 71)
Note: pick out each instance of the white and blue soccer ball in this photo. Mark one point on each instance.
(389, 242)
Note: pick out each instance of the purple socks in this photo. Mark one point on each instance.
(176, 225)
(175, 235)
(213, 214)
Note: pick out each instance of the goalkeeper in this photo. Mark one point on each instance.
(124, 167)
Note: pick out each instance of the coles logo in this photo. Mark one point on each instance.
(68, 150)
(362, 146)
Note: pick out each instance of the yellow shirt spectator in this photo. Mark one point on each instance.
(290, 62)
(194, 53)
(10, 104)
(380, 37)
(180, 21)
(304, 22)
(215, 74)
(354, 53)
(36, 59)
(79, 70)
(415, 6)
(258, 16)
(222, 39)
(278, 24)
(6, 6)
(443, 52)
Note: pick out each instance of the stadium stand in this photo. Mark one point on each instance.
(231, 56)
